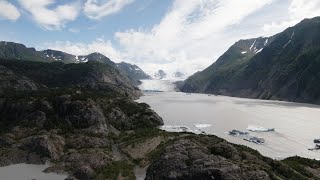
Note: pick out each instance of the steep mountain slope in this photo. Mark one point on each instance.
(133, 72)
(91, 75)
(10, 50)
(287, 68)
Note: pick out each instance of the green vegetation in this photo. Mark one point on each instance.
(113, 171)
(285, 72)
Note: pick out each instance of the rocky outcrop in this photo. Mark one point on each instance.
(206, 157)
(75, 131)
(36, 149)
(81, 114)
(11, 81)
(187, 160)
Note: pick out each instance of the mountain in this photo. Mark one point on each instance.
(133, 72)
(178, 74)
(91, 75)
(160, 74)
(11, 50)
(284, 67)
(81, 117)
(77, 117)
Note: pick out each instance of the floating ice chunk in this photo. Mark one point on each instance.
(200, 126)
(175, 128)
(259, 129)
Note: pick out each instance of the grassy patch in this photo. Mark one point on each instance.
(116, 169)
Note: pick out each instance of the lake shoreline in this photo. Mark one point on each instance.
(279, 144)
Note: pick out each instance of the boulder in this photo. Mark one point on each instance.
(47, 147)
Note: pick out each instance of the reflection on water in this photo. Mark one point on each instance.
(296, 125)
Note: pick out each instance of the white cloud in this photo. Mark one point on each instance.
(8, 11)
(48, 17)
(99, 45)
(96, 9)
(194, 33)
(191, 35)
(297, 11)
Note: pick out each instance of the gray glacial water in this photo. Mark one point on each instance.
(296, 125)
(28, 172)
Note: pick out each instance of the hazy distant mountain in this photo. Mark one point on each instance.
(178, 74)
(133, 71)
(160, 74)
(285, 66)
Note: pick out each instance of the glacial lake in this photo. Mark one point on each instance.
(296, 125)
(28, 172)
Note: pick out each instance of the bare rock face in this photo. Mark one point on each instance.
(85, 173)
(46, 146)
(79, 141)
(185, 159)
(35, 149)
(11, 81)
(124, 114)
(81, 114)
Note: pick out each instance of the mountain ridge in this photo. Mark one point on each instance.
(285, 69)
(11, 50)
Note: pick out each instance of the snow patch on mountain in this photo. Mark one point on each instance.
(253, 45)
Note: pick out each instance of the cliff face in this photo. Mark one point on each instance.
(283, 67)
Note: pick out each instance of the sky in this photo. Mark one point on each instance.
(173, 35)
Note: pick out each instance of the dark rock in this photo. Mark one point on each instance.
(7, 140)
(11, 81)
(81, 114)
(94, 157)
(79, 141)
(185, 159)
(261, 175)
(37, 118)
(84, 173)
(50, 147)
